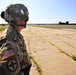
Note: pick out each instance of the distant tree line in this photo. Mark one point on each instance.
(67, 22)
(3, 24)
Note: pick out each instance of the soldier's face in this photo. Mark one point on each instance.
(20, 22)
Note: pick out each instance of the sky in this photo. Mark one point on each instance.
(45, 11)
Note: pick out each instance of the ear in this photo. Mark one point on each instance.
(2, 14)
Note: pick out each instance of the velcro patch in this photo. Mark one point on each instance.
(6, 54)
(12, 65)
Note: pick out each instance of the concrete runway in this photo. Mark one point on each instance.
(51, 50)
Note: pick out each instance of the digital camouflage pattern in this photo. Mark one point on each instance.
(16, 12)
(15, 52)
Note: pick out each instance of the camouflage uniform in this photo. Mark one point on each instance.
(13, 51)
(15, 42)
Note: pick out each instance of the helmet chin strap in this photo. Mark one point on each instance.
(23, 25)
(13, 23)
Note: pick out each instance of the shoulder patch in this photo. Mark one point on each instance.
(6, 54)
(12, 65)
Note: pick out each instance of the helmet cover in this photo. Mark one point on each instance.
(16, 12)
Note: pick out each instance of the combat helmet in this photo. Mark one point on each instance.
(15, 12)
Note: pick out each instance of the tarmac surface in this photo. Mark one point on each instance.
(52, 51)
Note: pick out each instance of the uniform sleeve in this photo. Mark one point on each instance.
(9, 59)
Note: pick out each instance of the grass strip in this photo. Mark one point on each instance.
(34, 61)
(62, 51)
(37, 66)
(2, 28)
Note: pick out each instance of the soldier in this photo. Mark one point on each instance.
(14, 58)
